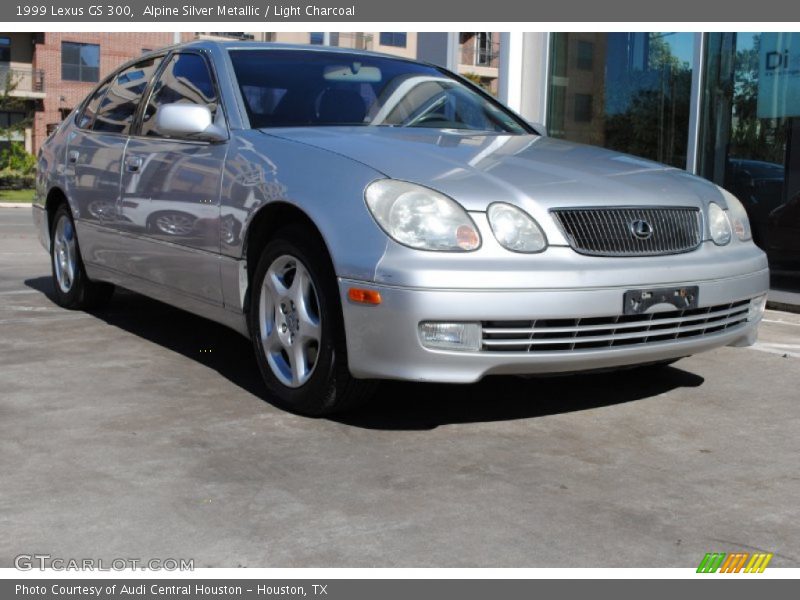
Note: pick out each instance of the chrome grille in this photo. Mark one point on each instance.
(609, 231)
(563, 335)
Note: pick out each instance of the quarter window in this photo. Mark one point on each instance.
(119, 105)
(80, 62)
(186, 79)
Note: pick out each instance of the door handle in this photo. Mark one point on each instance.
(72, 156)
(133, 163)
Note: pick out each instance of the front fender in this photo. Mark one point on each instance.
(327, 187)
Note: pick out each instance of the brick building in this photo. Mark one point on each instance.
(54, 71)
(479, 57)
(73, 63)
(49, 73)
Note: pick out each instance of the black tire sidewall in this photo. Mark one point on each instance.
(74, 297)
(318, 395)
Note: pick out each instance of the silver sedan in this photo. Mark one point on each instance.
(362, 217)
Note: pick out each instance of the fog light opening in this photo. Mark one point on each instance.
(758, 306)
(451, 336)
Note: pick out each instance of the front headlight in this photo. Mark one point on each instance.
(515, 229)
(718, 225)
(738, 218)
(420, 217)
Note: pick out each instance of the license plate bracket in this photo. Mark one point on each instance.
(637, 302)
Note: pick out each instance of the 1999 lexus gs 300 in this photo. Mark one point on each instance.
(363, 217)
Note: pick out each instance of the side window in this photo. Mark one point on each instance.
(186, 79)
(120, 103)
(86, 118)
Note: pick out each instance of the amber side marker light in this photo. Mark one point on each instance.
(364, 296)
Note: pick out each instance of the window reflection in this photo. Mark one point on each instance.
(751, 150)
(186, 79)
(625, 91)
(119, 105)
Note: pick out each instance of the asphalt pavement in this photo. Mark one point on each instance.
(141, 431)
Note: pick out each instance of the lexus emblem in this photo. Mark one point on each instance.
(641, 230)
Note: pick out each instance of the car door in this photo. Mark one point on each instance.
(170, 188)
(93, 160)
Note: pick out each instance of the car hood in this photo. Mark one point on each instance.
(531, 171)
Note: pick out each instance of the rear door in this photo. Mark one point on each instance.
(93, 163)
(170, 188)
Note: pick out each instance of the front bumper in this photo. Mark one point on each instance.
(40, 223)
(383, 341)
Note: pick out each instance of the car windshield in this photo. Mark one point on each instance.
(308, 88)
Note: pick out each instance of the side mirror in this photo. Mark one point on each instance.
(539, 127)
(188, 121)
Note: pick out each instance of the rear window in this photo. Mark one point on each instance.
(291, 88)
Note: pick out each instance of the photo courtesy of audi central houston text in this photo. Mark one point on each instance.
(364, 217)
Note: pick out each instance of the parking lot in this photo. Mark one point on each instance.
(140, 432)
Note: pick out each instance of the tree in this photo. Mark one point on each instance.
(751, 137)
(10, 103)
(655, 121)
(477, 80)
(14, 157)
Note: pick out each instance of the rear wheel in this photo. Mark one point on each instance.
(73, 289)
(297, 329)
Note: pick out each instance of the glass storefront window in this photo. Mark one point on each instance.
(625, 91)
(750, 134)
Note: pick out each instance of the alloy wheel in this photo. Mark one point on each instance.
(65, 254)
(289, 321)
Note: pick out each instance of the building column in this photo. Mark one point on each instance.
(524, 73)
(439, 48)
(453, 48)
(511, 69)
(535, 76)
(695, 104)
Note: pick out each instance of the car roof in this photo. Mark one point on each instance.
(249, 45)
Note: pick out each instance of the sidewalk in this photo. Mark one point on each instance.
(784, 293)
(783, 300)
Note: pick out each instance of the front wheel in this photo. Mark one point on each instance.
(73, 289)
(297, 329)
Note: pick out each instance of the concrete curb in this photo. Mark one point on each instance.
(785, 307)
(784, 299)
(15, 205)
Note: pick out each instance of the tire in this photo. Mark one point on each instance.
(297, 329)
(73, 289)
